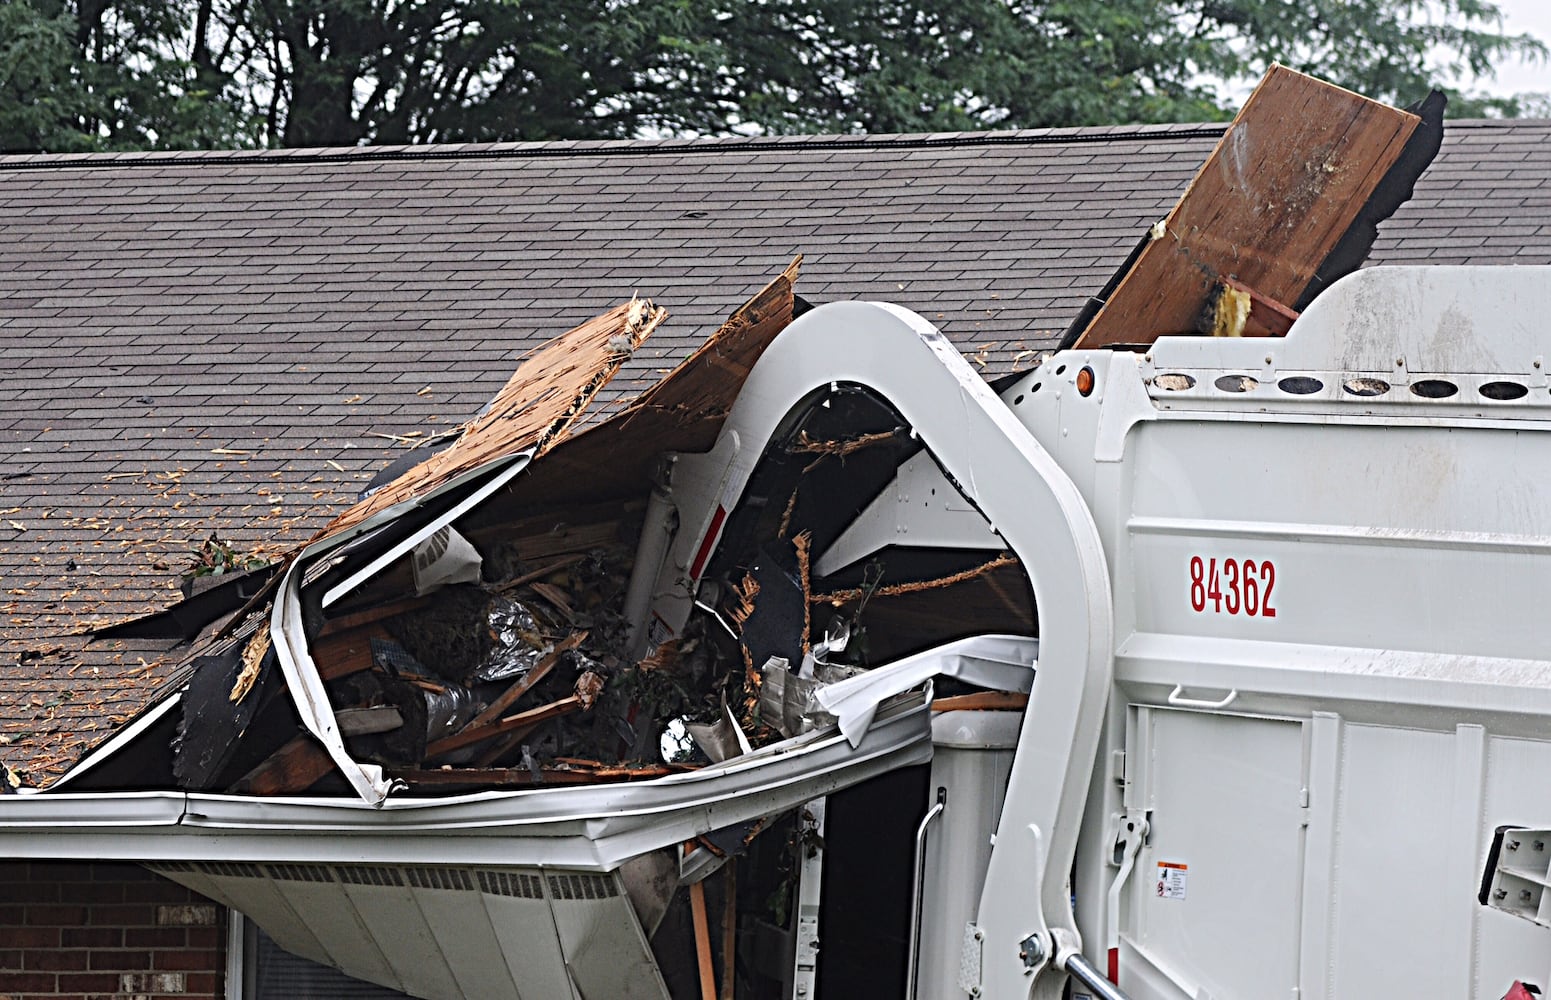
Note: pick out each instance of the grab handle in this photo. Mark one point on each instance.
(1179, 702)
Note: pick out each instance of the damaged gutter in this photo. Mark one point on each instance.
(286, 624)
(581, 828)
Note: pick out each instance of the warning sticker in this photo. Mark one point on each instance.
(1171, 880)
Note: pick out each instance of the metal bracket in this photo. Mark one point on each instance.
(1517, 878)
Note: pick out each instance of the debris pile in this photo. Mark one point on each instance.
(509, 640)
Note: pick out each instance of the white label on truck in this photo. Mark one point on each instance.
(1171, 880)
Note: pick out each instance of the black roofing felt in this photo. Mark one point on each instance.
(238, 341)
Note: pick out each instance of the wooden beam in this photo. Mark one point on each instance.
(345, 653)
(729, 928)
(1284, 184)
(532, 717)
(292, 769)
(702, 941)
(521, 686)
(982, 701)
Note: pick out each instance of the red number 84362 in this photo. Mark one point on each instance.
(1234, 586)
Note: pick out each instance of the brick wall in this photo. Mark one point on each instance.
(94, 931)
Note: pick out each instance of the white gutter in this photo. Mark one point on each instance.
(286, 626)
(577, 827)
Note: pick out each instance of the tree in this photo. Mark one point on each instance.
(160, 73)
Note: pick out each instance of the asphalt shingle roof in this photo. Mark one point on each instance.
(237, 341)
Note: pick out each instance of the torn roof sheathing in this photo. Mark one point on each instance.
(1286, 181)
(533, 414)
(682, 413)
(538, 406)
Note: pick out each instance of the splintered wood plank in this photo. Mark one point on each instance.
(522, 721)
(537, 407)
(292, 769)
(344, 653)
(1281, 188)
(520, 687)
(683, 413)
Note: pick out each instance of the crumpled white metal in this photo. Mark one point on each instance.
(1000, 662)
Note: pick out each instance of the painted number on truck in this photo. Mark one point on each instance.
(1232, 586)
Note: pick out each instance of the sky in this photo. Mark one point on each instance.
(1522, 16)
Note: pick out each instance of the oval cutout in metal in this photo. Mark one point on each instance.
(1434, 388)
(1300, 385)
(1175, 381)
(1503, 391)
(1236, 383)
(1365, 386)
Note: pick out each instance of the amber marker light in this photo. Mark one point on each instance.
(1085, 382)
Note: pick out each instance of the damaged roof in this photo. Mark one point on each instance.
(238, 342)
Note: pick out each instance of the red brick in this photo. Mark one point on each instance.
(10, 916)
(120, 961)
(28, 982)
(154, 937)
(124, 916)
(189, 915)
(186, 959)
(55, 960)
(56, 916)
(92, 937)
(10, 960)
(93, 892)
(32, 937)
(29, 892)
(206, 937)
(207, 984)
(160, 891)
(88, 982)
(62, 871)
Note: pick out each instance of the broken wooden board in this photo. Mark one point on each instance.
(537, 408)
(291, 770)
(1284, 184)
(683, 412)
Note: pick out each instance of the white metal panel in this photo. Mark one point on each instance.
(392, 917)
(1224, 794)
(1439, 525)
(467, 943)
(332, 918)
(605, 950)
(1391, 865)
(974, 755)
(530, 947)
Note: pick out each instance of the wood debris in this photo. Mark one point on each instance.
(1290, 178)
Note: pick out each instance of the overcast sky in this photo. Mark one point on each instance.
(1532, 17)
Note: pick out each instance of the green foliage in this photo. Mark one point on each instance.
(109, 74)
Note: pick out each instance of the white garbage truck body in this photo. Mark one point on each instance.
(1293, 672)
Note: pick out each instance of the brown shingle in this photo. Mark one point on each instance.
(289, 305)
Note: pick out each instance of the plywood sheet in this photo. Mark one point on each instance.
(1276, 195)
(536, 408)
(683, 412)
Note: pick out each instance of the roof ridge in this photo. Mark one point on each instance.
(615, 147)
